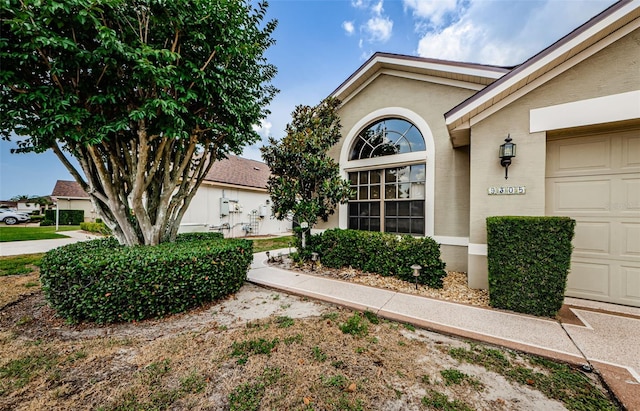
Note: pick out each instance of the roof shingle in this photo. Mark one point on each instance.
(69, 189)
(239, 171)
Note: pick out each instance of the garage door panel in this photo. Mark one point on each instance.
(577, 157)
(581, 196)
(588, 278)
(630, 240)
(631, 151)
(592, 237)
(630, 196)
(630, 287)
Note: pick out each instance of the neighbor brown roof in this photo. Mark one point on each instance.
(239, 171)
(68, 189)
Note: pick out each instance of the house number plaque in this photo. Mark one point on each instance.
(511, 190)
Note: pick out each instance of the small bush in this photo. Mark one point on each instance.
(47, 223)
(381, 253)
(204, 236)
(37, 218)
(529, 260)
(65, 217)
(102, 281)
(99, 228)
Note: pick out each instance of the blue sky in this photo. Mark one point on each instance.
(319, 43)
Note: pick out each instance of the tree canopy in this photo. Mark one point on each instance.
(305, 181)
(145, 94)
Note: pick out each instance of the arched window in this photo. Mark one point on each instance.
(387, 137)
(389, 199)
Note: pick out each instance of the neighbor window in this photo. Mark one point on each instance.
(389, 199)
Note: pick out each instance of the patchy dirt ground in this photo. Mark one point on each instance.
(259, 349)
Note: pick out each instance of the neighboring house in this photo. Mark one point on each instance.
(30, 206)
(421, 139)
(8, 204)
(233, 199)
(69, 195)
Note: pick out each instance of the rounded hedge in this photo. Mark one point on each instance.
(101, 281)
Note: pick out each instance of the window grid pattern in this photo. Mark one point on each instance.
(387, 137)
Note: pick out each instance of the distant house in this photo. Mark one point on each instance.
(232, 199)
(8, 204)
(69, 195)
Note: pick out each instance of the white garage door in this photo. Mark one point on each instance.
(595, 179)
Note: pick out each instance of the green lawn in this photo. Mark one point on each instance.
(275, 243)
(19, 264)
(33, 233)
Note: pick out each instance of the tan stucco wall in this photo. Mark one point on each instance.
(205, 210)
(613, 70)
(430, 101)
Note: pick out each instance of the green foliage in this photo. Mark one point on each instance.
(102, 281)
(305, 181)
(96, 227)
(47, 223)
(284, 322)
(382, 253)
(355, 325)
(529, 260)
(139, 92)
(318, 354)
(205, 236)
(65, 217)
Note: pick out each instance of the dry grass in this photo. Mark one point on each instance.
(259, 349)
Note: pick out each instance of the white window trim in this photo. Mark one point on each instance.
(427, 156)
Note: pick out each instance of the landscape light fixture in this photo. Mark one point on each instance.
(314, 259)
(416, 272)
(268, 256)
(507, 152)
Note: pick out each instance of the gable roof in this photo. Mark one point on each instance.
(603, 29)
(239, 171)
(68, 189)
(468, 75)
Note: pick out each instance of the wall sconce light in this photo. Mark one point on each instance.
(507, 152)
(416, 272)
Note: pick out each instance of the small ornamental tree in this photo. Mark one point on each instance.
(305, 181)
(145, 94)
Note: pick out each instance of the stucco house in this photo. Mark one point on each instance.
(421, 139)
(69, 195)
(232, 199)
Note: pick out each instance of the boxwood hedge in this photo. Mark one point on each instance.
(381, 253)
(529, 260)
(101, 281)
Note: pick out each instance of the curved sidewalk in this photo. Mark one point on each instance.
(42, 246)
(609, 342)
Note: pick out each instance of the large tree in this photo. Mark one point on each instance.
(145, 94)
(305, 180)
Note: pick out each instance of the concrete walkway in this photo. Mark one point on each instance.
(603, 336)
(42, 246)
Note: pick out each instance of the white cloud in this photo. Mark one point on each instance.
(264, 129)
(377, 8)
(379, 29)
(348, 27)
(505, 33)
(360, 4)
(432, 10)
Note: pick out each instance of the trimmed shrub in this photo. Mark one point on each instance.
(101, 281)
(529, 260)
(65, 217)
(96, 227)
(381, 253)
(204, 236)
(47, 223)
